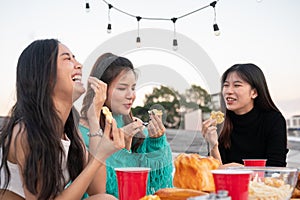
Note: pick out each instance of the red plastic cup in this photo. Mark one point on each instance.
(255, 162)
(236, 182)
(132, 182)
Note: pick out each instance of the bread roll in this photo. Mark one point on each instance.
(193, 171)
(178, 193)
(150, 197)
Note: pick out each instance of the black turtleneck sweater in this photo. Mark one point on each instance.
(257, 134)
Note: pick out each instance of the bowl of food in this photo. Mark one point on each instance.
(271, 182)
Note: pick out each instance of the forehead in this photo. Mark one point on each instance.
(233, 76)
(125, 76)
(63, 48)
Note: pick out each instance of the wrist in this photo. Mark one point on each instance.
(215, 146)
(99, 133)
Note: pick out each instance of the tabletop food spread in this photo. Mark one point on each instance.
(193, 178)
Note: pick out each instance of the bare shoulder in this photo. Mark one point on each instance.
(18, 143)
(8, 195)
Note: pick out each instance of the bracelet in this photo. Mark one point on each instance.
(98, 133)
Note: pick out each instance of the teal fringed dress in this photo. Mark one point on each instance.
(154, 153)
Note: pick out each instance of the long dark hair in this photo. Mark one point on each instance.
(254, 76)
(35, 112)
(107, 67)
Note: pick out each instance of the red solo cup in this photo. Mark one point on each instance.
(236, 182)
(132, 182)
(255, 162)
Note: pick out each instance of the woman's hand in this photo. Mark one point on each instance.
(228, 165)
(99, 88)
(209, 132)
(130, 130)
(155, 127)
(108, 145)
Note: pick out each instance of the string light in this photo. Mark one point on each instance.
(109, 22)
(87, 6)
(138, 38)
(215, 25)
(175, 42)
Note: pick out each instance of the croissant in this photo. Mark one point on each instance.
(193, 171)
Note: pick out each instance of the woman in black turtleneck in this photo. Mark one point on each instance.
(253, 126)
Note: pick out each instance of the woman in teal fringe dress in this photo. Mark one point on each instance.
(145, 146)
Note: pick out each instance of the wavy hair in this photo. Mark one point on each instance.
(254, 76)
(35, 112)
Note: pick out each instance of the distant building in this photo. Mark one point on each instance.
(215, 101)
(293, 122)
(293, 125)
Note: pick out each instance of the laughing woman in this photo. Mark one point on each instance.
(41, 149)
(254, 128)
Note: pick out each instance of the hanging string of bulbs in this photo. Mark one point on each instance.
(173, 20)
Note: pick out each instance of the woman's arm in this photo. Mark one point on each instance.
(81, 183)
(277, 142)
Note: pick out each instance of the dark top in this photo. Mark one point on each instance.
(257, 134)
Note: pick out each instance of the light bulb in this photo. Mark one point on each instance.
(87, 7)
(216, 30)
(109, 28)
(175, 44)
(138, 42)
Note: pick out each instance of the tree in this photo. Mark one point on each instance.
(174, 104)
(198, 95)
(163, 98)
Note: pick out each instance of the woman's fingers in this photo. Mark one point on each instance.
(156, 127)
(99, 88)
(157, 122)
(114, 134)
(132, 128)
(108, 128)
(151, 129)
(207, 124)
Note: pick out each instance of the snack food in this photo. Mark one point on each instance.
(218, 116)
(107, 113)
(155, 111)
(178, 193)
(193, 171)
(150, 197)
(269, 189)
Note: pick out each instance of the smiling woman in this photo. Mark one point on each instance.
(254, 128)
(41, 150)
(144, 147)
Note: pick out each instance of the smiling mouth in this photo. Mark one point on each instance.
(230, 99)
(77, 78)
